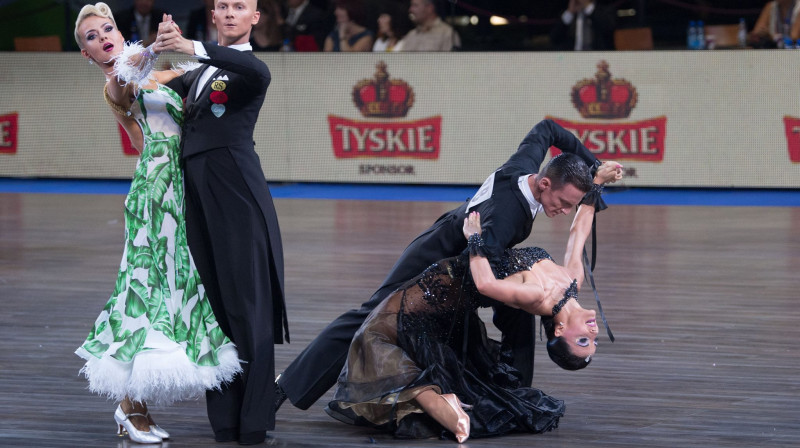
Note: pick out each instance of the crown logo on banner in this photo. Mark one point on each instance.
(604, 97)
(382, 97)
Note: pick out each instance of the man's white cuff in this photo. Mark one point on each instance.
(199, 50)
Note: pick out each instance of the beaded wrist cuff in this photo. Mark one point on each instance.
(475, 245)
(593, 197)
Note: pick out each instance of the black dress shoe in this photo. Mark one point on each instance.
(344, 415)
(280, 395)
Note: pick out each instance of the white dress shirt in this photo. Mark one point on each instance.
(201, 54)
(525, 188)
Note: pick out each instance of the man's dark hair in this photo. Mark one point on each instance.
(567, 168)
(558, 349)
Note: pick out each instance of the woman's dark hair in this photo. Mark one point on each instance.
(354, 8)
(401, 22)
(559, 350)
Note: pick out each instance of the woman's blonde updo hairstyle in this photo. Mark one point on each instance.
(99, 9)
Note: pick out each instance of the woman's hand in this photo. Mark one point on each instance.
(608, 172)
(170, 38)
(472, 224)
(344, 31)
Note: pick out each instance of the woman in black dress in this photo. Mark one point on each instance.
(422, 362)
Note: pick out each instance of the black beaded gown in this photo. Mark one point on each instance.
(415, 340)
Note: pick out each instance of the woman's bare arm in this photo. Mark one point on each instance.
(608, 172)
(527, 296)
(578, 233)
(761, 28)
(165, 76)
(120, 92)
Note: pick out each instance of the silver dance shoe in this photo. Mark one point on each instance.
(124, 424)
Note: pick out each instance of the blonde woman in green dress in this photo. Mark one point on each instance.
(156, 340)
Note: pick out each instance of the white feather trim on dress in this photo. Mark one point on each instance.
(135, 63)
(160, 376)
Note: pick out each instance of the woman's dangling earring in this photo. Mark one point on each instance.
(561, 324)
(91, 62)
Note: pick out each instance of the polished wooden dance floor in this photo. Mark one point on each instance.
(703, 301)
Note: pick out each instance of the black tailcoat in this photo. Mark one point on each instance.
(233, 232)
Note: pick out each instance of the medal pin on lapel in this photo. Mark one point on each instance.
(218, 85)
(217, 109)
(218, 97)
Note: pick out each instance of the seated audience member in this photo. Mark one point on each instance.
(201, 27)
(349, 34)
(140, 22)
(304, 25)
(266, 34)
(390, 31)
(585, 25)
(430, 33)
(777, 18)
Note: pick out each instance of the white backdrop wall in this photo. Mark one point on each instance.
(695, 119)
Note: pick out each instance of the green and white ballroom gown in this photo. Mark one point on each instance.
(157, 339)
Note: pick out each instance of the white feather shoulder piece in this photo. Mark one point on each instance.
(186, 66)
(135, 64)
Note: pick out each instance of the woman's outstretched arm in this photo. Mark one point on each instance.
(582, 223)
(578, 233)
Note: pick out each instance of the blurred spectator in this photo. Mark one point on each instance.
(201, 26)
(585, 25)
(777, 18)
(388, 36)
(139, 23)
(430, 33)
(393, 22)
(304, 25)
(266, 34)
(349, 34)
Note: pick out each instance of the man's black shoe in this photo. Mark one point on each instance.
(343, 415)
(280, 395)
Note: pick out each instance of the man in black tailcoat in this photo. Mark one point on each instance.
(508, 203)
(231, 224)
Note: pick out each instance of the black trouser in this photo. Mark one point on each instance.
(317, 368)
(228, 237)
